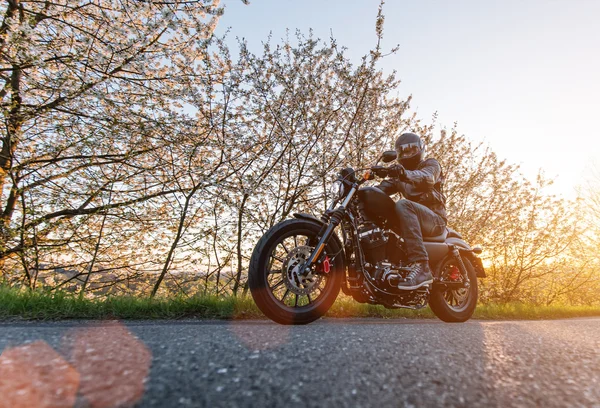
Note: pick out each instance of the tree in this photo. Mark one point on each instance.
(526, 233)
(93, 93)
(139, 156)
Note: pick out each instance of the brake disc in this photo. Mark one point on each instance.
(296, 279)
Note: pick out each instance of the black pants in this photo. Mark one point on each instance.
(416, 221)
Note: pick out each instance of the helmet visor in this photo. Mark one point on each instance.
(408, 150)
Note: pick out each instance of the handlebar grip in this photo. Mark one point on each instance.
(380, 171)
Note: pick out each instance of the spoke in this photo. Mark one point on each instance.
(278, 258)
(296, 300)
(278, 284)
(464, 298)
(274, 271)
(308, 296)
(284, 247)
(296, 240)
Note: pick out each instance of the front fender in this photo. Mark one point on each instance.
(308, 217)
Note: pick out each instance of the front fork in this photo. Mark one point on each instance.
(334, 220)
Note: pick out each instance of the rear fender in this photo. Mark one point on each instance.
(467, 251)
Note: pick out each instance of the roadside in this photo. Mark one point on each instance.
(37, 305)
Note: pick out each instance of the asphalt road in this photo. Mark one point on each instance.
(356, 362)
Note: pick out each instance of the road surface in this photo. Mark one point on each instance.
(330, 363)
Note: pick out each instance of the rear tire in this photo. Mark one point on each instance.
(259, 271)
(438, 300)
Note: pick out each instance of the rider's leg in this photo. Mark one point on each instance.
(414, 220)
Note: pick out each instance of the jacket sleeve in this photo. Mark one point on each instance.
(388, 187)
(425, 177)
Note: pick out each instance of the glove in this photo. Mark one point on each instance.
(397, 171)
(380, 171)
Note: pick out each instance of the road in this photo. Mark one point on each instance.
(346, 362)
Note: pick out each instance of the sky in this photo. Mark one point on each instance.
(521, 76)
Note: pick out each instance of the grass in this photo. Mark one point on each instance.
(346, 307)
(39, 305)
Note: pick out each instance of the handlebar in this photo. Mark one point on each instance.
(374, 171)
(383, 172)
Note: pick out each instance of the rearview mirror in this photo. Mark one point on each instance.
(389, 156)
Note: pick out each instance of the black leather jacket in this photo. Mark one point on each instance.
(423, 185)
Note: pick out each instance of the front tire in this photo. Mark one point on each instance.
(280, 297)
(454, 306)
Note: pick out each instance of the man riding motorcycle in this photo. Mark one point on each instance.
(422, 212)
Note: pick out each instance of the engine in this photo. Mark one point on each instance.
(373, 241)
(380, 246)
(384, 253)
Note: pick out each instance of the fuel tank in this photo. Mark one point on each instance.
(378, 206)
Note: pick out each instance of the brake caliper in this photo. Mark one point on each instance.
(325, 266)
(454, 273)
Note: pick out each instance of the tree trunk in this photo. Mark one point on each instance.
(167, 263)
(238, 275)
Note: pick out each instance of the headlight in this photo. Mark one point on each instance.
(337, 190)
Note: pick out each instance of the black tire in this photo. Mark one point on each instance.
(438, 299)
(258, 275)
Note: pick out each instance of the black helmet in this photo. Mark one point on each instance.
(410, 149)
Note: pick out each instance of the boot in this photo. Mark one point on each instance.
(420, 275)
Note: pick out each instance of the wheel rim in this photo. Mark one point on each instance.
(456, 299)
(285, 281)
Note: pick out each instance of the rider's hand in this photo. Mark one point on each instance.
(380, 171)
(397, 171)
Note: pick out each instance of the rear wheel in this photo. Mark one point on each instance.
(278, 286)
(454, 304)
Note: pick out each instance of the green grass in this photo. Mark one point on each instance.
(39, 305)
(521, 311)
(346, 307)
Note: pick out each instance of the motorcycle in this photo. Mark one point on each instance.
(299, 265)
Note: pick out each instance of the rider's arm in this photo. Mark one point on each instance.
(425, 177)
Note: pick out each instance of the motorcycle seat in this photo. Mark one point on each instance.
(439, 238)
(448, 233)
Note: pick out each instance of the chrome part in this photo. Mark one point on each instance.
(297, 278)
(369, 232)
(349, 196)
(457, 299)
(337, 190)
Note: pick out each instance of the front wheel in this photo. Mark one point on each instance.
(280, 291)
(454, 304)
